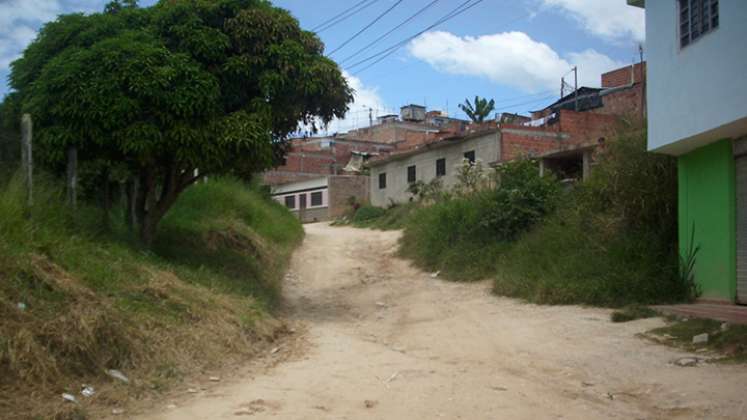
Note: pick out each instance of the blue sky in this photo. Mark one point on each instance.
(514, 51)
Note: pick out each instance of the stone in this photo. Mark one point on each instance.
(117, 411)
(370, 403)
(700, 338)
(686, 361)
(724, 326)
(215, 379)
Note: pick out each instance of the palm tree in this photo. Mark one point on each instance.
(477, 112)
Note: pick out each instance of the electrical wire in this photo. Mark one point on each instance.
(364, 5)
(406, 21)
(463, 7)
(386, 12)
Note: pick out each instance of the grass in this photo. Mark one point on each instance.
(577, 258)
(731, 343)
(609, 241)
(95, 300)
(448, 237)
(392, 218)
(632, 313)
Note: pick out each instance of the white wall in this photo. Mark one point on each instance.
(697, 94)
(486, 147)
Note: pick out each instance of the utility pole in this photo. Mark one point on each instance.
(562, 87)
(370, 117)
(575, 77)
(27, 159)
(643, 84)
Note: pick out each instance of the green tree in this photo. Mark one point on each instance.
(478, 111)
(165, 95)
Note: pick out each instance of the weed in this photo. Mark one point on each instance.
(93, 300)
(731, 342)
(632, 313)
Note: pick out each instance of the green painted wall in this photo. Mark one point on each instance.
(707, 201)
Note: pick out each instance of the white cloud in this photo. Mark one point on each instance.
(510, 58)
(19, 20)
(364, 98)
(610, 19)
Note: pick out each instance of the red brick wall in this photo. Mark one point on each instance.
(586, 128)
(625, 104)
(515, 145)
(622, 76)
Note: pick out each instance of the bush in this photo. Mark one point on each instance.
(612, 242)
(462, 235)
(367, 213)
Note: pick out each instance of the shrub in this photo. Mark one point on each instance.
(611, 243)
(521, 199)
(366, 213)
(461, 236)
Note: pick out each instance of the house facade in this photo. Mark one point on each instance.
(697, 111)
(322, 198)
(390, 178)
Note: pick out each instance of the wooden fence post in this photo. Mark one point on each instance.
(72, 177)
(27, 158)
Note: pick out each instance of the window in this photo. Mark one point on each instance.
(441, 167)
(316, 198)
(382, 181)
(290, 201)
(697, 17)
(470, 156)
(411, 175)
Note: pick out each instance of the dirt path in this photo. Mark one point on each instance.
(386, 341)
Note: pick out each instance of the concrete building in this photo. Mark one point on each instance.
(390, 177)
(322, 198)
(697, 111)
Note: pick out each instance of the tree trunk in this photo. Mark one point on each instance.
(151, 205)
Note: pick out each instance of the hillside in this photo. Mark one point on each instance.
(77, 299)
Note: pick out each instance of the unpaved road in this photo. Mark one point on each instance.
(386, 341)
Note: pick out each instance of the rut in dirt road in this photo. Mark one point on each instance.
(387, 341)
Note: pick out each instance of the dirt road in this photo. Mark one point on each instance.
(386, 341)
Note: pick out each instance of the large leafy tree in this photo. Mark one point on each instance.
(165, 95)
(479, 110)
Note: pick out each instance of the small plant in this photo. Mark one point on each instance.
(426, 192)
(368, 213)
(633, 312)
(471, 177)
(687, 268)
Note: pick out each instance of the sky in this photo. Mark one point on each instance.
(512, 51)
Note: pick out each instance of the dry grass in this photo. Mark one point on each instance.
(94, 303)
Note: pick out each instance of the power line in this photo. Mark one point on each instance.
(314, 29)
(386, 12)
(394, 47)
(391, 50)
(406, 21)
(345, 15)
(512, 21)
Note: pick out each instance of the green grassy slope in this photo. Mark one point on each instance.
(76, 300)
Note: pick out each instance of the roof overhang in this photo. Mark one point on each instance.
(637, 3)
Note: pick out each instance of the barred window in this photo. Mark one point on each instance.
(316, 198)
(411, 175)
(382, 181)
(441, 167)
(697, 17)
(290, 201)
